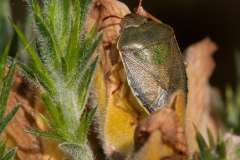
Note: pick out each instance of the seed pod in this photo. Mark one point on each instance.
(152, 60)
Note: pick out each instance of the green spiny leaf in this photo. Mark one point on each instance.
(51, 108)
(87, 43)
(49, 122)
(210, 138)
(221, 150)
(35, 6)
(205, 153)
(45, 81)
(6, 90)
(84, 86)
(14, 45)
(26, 71)
(3, 61)
(73, 46)
(66, 22)
(89, 121)
(85, 124)
(84, 7)
(32, 53)
(49, 13)
(54, 54)
(65, 110)
(81, 128)
(87, 53)
(61, 130)
(7, 119)
(10, 154)
(90, 38)
(45, 134)
(2, 148)
(76, 150)
(61, 116)
(64, 66)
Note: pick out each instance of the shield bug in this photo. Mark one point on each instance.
(152, 60)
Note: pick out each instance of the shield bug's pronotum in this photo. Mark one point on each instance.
(152, 60)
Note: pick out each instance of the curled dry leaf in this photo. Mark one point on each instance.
(200, 107)
(108, 52)
(30, 147)
(110, 27)
(119, 110)
(162, 134)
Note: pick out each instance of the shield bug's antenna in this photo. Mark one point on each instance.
(112, 16)
(152, 17)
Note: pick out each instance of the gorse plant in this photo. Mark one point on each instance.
(214, 151)
(63, 66)
(5, 85)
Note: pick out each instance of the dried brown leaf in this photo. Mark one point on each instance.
(29, 146)
(110, 27)
(114, 117)
(162, 134)
(108, 51)
(200, 106)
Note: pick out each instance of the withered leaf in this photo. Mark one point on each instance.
(200, 107)
(161, 134)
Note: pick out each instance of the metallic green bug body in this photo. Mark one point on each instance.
(152, 60)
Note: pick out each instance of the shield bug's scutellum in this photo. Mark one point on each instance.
(152, 60)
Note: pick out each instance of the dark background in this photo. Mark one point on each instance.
(192, 21)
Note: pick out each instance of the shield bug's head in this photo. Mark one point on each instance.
(130, 20)
(134, 20)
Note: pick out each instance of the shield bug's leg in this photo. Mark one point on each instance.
(123, 94)
(111, 16)
(123, 89)
(137, 119)
(118, 66)
(104, 19)
(117, 88)
(116, 77)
